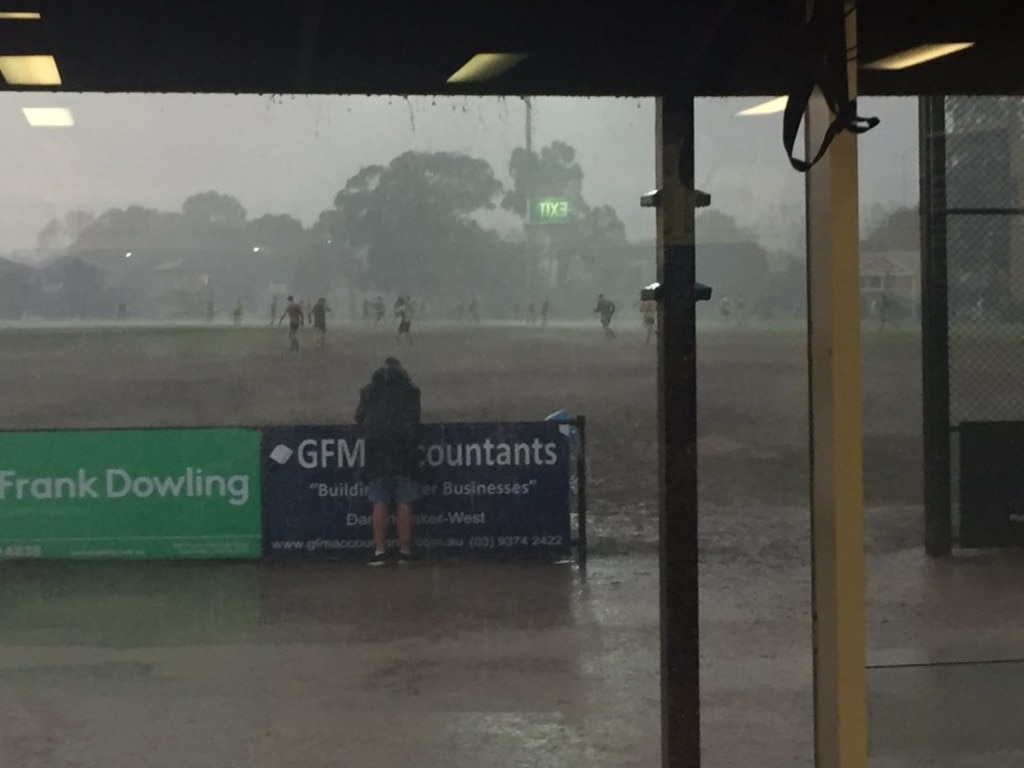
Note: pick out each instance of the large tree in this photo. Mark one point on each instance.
(413, 220)
(214, 208)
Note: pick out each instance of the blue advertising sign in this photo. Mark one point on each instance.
(493, 488)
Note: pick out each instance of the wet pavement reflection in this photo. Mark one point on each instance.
(454, 664)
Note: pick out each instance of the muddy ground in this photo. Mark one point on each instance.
(197, 665)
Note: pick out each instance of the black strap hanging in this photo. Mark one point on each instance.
(823, 66)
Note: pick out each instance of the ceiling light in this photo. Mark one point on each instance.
(48, 117)
(777, 104)
(485, 66)
(29, 70)
(919, 55)
(20, 16)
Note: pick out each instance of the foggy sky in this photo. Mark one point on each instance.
(288, 154)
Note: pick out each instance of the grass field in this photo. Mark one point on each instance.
(752, 395)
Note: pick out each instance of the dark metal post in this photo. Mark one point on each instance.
(677, 436)
(581, 489)
(938, 536)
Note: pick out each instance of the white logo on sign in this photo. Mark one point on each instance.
(281, 454)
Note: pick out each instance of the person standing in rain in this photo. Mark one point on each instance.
(545, 312)
(379, 310)
(389, 419)
(236, 314)
(319, 314)
(605, 309)
(293, 311)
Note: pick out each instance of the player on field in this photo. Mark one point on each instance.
(296, 318)
(649, 315)
(319, 313)
(403, 311)
(605, 308)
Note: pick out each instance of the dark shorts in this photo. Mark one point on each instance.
(404, 326)
(392, 490)
(322, 327)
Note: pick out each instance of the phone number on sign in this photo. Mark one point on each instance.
(21, 550)
(494, 542)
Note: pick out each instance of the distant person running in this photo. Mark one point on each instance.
(887, 312)
(273, 310)
(379, 310)
(389, 418)
(605, 308)
(293, 311)
(319, 314)
(404, 311)
(236, 314)
(649, 315)
(545, 312)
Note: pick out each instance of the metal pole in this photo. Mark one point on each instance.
(938, 538)
(527, 192)
(581, 489)
(837, 494)
(677, 436)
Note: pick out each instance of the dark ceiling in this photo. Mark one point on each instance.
(709, 47)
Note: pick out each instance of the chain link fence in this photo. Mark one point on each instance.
(985, 252)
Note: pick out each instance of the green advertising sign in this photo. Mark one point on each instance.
(549, 210)
(162, 493)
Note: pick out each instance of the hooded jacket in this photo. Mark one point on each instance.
(389, 416)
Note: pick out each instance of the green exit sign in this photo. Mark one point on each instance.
(549, 210)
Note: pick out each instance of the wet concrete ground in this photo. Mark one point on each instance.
(480, 664)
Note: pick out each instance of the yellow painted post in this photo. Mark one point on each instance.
(837, 506)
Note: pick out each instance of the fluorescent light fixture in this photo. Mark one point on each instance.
(918, 55)
(20, 16)
(48, 117)
(485, 66)
(29, 70)
(777, 104)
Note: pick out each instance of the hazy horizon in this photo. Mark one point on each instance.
(291, 154)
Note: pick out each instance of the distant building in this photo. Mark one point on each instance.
(897, 273)
(894, 273)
